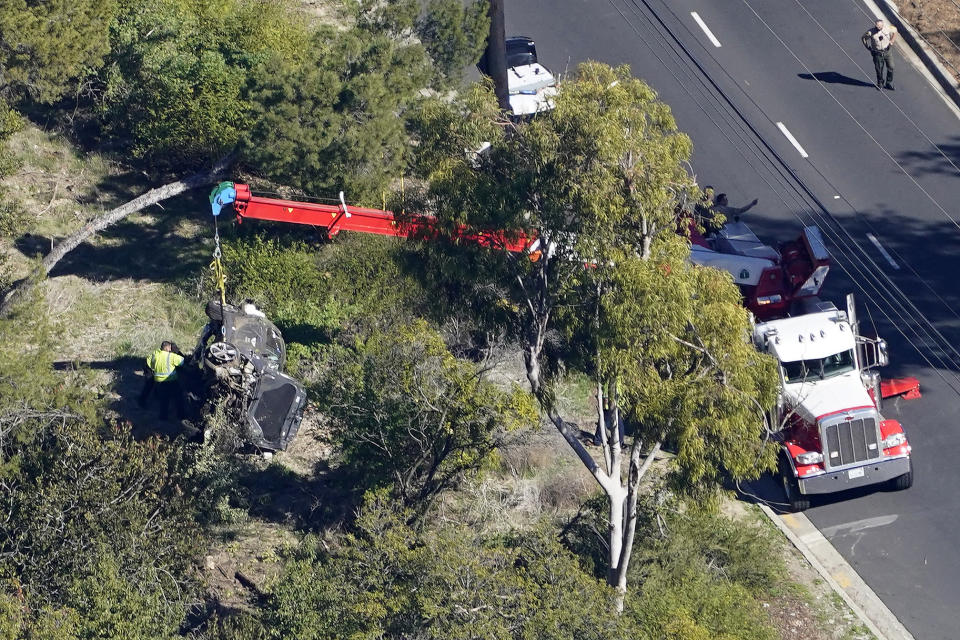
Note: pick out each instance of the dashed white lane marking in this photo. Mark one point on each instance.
(706, 29)
(882, 251)
(792, 140)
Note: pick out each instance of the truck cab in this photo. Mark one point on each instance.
(833, 436)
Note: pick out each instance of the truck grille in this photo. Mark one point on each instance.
(851, 441)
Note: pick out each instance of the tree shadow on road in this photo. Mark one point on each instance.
(768, 490)
(944, 159)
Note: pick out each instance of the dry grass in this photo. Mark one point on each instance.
(55, 185)
(538, 477)
(116, 318)
(805, 607)
(253, 552)
(325, 12)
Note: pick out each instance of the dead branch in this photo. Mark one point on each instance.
(152, 197)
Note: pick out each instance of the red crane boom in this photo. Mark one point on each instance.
(334, 218)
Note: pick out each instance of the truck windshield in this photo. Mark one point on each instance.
(833, 365)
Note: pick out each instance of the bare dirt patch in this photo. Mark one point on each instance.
(244, 562)
(938, 21)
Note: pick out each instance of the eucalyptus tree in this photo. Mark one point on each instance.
(599, 184)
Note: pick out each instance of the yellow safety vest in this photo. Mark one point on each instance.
(164, 365)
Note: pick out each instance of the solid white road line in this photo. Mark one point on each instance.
(706, 29)
(792, 140)
(882, 251)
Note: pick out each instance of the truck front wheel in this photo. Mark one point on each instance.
(796, 500)
(903, 482)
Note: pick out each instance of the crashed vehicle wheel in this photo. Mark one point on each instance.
(220, 354)
(216, 310)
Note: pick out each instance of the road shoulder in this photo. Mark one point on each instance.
(831, 566)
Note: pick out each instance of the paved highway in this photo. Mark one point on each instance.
(778, 98)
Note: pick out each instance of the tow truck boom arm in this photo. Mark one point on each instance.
(334, 218)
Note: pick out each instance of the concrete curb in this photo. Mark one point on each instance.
(839, 575)
(925, 58)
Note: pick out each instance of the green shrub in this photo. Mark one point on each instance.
(388, 579)
(100, 533)
(406, 414)
(10, 123)
(14, 221)
(170, 91)
(702, 574)
(315, 292)
(277, 276)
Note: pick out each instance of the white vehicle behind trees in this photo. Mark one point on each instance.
(531, 85)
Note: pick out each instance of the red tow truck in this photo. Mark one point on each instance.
(828, 421)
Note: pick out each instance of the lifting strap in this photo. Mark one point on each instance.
(219, 277)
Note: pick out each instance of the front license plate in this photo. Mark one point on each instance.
(855, 473)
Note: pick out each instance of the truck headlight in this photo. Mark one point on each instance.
(894, 440)
(810, 457)
(769, 299)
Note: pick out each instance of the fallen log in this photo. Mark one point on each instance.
(202, 179)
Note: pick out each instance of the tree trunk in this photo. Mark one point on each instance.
(615, 532)
(19, 289)
(497, 54)
(637, 471)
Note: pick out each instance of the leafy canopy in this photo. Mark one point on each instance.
(336, 120)
(171, 91)
(99, 537)
(406, 414)
(45, 47)
(602, 179)
(389, 580)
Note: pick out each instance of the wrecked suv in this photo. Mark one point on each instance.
(243, 369)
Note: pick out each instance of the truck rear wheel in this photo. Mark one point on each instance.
(796, 500)
(903, 482)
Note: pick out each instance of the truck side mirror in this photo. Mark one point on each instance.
(883, 358)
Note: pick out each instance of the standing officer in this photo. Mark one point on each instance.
(162, 370)
(722, 206)
(878, 41)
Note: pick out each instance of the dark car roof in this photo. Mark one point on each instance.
(521, 50)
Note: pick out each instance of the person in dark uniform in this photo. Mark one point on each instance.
(722, 206)
(878, 41)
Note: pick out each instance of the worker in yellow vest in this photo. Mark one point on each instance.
(161, 373)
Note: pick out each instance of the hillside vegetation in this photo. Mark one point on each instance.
(444, 483)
